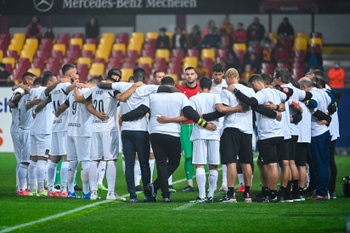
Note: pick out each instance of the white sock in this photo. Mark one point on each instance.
(224, 175)
(46, 177)
(101, 172)
(85, 169)
(151, 167)
(64, 176)
(190, 182)
(240, 178)
(111, 175)
(40, 174)
(33, 182)
(170, 180)
(213, 180)
(137, 173)
(201, 181)
(17, 178)
(22, 176)
(70, 175)
(93, 175)
(51, 174)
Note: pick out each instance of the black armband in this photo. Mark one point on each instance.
(265, 111)
(297, 118)
(213, 115)
(135, 114)
(245, 99)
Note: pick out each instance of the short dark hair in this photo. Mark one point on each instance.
(67, 67)
(205, 83)
(167, 80)
(155, 73)
(162, 29)
(282, 73)
(114, 71)
(2, 65)
(267, 78)
(190, 68)
(46, 78)
(95, 80)
(218, 68)
(256, 77)
(37, 81)
(45, 72)
(139, 74)
(26, 74)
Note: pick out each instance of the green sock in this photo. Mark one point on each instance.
(58, 173)
(189, 168)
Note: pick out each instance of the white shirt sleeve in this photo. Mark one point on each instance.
(260, 97)
(225, 99)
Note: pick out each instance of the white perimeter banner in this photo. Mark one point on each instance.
(5, 120)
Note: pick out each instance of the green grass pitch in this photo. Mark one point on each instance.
(41, 214)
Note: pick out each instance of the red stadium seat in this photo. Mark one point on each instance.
(222, 53)
(57, 54)
(69, 60)
(132, 54)
(12, 53)
(83, 71)
(78, 35)
(178, 53)
(38, 63)
(87, 53)
(63, 38)
(73, 54)
(117, 54)
(99, 60)
(115, 62)
(122, 38)
(267, 68)
(193, 53)
(90, 41)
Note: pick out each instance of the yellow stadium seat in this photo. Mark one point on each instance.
(152, 35)
(102, 54)
(163, 53)
(29, 48)
(60, 47)
(104, 47)
(1, 55)
(16, 47)
(137, 47)
(300, 44)
(27, 54)
(32, 42)
(97, 69)
(91, 47)
(300, 35)
(138, 35)
(120, 47)
(315, 41)
(20, 36)
(170, 34)
(9, 60)
(76, 41)
(107, 37)
(146, 60)
(175, 77)
(84, 60)
(35, 71)
(190, 61)
(273, 36)
(126, 73)
(208, 53)
(239, 47)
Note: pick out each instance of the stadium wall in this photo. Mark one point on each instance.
(343, 144)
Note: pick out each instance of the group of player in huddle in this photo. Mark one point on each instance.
(212, 121)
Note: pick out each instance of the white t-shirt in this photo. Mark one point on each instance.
(305, 125)
(205, 103)
(103, 101)
(166, 104)
(240, 120)
(286, 119)
(14, 115)
(268, 127)
(334, 125)
(139, 97)
(58, 95)
(79, 118)
(297, 96)
(217, 88)
(323, 100)
(42, 123)
(25, 116)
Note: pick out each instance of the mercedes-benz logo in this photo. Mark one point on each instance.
(43, 5)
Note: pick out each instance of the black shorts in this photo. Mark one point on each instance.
(234, 143)
(302, 150)
(285, 151)
(270, 149)
(293, 147)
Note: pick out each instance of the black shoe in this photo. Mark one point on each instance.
(150, 199)
(259, 198)
(58, 186)
(270, 200)
(166, 199)
(188, 188)
(77, 188)
(210, 200)
(138, 188)
(150, 191)
(309, 192)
